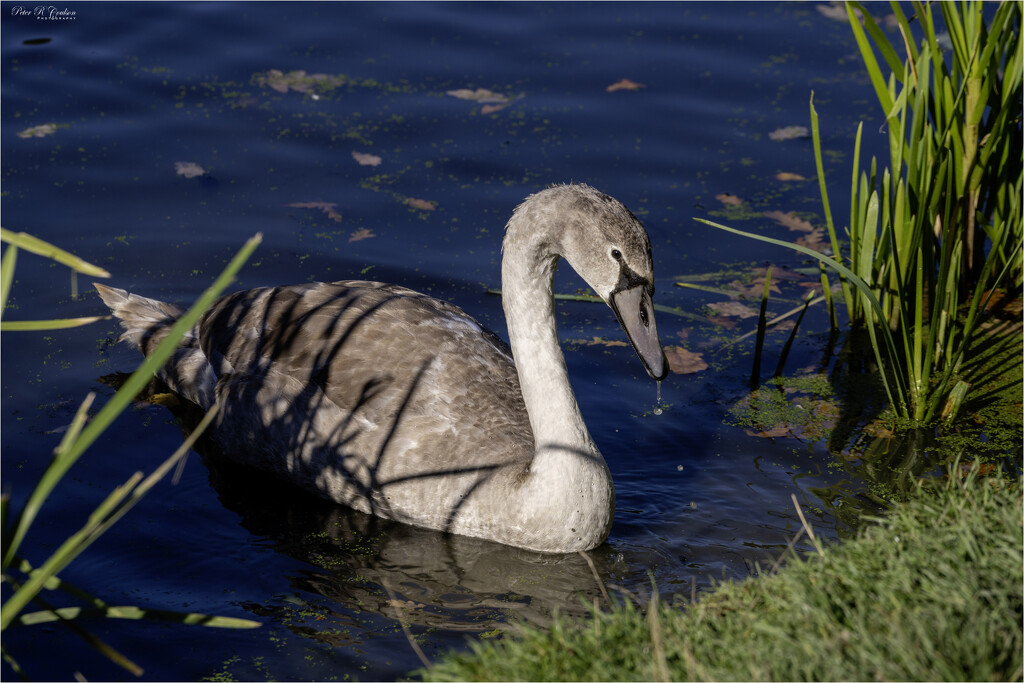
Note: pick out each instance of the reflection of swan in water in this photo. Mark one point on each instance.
(403, 406)
(418, 576)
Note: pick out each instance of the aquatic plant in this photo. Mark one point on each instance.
(27, 582)
(935, 232)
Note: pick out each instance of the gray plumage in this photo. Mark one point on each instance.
(403, 406)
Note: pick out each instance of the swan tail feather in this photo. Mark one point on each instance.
(146, 323)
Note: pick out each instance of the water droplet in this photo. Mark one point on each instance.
(657, 404)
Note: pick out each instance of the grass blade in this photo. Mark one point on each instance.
(43, 248)
(762, 318)
(792, 335)
(123, 398)
(109, 512)
(54, 324)
(132, 612)
(7, 275)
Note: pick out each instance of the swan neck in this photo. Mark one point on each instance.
(528, 268)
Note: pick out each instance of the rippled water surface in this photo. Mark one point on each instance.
(135, 88)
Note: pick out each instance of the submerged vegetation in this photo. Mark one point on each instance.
(930, 592)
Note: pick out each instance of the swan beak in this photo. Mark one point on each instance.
(635, 312)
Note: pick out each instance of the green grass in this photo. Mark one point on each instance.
(931, 592)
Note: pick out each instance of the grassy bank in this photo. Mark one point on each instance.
(931, 592)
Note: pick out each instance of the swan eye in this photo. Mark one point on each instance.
(616, 254)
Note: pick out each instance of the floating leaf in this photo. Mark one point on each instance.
(189, 169)
(420, 204)
(598, 341)
(786, 177)
(772, 433)
(790, 220)
(491, 101)
(298, 81)
(789, 133)
(723, 321)
(326, 207)
(834, 11)
(733, 309)
(684, 362)
(361, 234)
(39, 131)
(366, 159)
(729, 199)
(815, 240)
(479, 95)
(753, 289)
(625, 84)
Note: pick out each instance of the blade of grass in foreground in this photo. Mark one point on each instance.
(54, 324)
(44, 248)
(7, 275)
(65, 459)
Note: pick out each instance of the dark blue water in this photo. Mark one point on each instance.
(134, 88)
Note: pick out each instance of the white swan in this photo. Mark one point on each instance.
(403, 406)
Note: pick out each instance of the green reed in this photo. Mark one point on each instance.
(934, 232)
(28, 582)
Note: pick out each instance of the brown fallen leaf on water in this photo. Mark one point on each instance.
(729, 199)
(327, 207)
(420, 204)
(733, 309)
(815, 240)
(786, 176)
(684, 362)
(189, 169)
(366, 159)
(598, 341)
(491, 101)
(753, 289)
(723, 321)
(297, 81)
(1002, 303)
(361, 234)
(39, 131)
(625, 84)
(790, 220)
(479, 95)
(774, 432)
(789, 133)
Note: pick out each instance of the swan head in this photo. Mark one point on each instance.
(609, 248)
